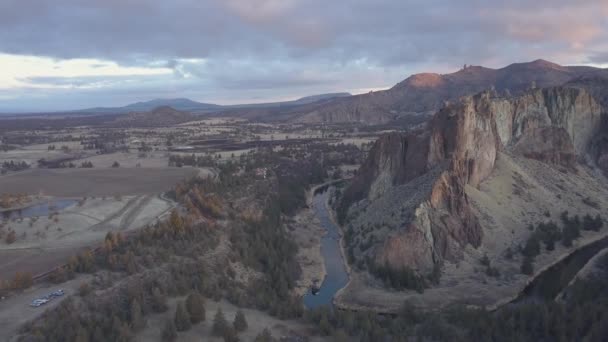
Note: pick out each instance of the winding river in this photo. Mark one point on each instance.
(336, 277)
(545, 286)
(548, 284)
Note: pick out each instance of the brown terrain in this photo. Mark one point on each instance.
(159, 117)
(469, 183)
(427, 92)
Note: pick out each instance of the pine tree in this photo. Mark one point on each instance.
(220, 324)
(527, 267)
(230, 335)
(137, 319)
(82, 335)
(196, 308)
(341, 336)
(182, 319)
(159, 301)
(240, 323)
(264, 336)
(169, 333)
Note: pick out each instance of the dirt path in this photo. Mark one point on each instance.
(131, 214)
(115, 215)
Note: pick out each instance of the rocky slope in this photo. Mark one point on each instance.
(561, 127)
(427, 92)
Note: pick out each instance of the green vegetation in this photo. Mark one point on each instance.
(240, 323)
(265, 336)
(195, 305)
(581, 318)
(220, 325)
(549, 233)
(169, 332)
(400, 279)
(181, 318)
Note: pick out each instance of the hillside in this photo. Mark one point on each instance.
(466, 187)
(184, 104)
(181, 104)
(158, 117)
(427, 92)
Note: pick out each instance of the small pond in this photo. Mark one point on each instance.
(40, 209)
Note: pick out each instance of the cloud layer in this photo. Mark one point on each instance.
(240, 50)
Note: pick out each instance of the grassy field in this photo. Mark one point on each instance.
(94, 182)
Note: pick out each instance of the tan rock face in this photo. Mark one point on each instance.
(555, 126)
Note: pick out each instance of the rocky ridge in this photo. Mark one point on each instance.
(560, 126)
(427, 92)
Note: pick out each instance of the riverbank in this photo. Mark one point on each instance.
(307, 233)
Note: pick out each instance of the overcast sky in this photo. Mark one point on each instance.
(65, 54)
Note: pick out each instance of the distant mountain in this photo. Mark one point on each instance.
(178, 104)
(317, 98)
(427, 92)
(301, 101)
(188, 105)
(157, 117)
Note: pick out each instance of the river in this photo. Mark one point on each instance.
(336, 277)
(548, 284)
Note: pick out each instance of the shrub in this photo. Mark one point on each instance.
(169, 333)
(182, 319)
(527, 267)
(220, 325)
(196, 308)
(240, 323)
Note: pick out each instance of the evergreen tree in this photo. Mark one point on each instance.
(264, 336)
(137, 319)
(527, 267)
(340, 336)
(240, 323)
(159, 301)
(182, 319)
(169, 333)
(196, 308)
(230, 335)
(220, 324)
(82, 335)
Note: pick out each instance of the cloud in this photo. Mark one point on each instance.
(262, 47)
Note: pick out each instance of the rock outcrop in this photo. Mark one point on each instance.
(558, 126)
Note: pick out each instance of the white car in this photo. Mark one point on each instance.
(38, 302)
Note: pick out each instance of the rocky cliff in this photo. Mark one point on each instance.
(460, 146)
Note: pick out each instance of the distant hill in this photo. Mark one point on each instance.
(178, 104)
(427, 92)
(158, 117)
(188, 105)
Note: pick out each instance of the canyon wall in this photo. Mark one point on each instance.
(559, 126)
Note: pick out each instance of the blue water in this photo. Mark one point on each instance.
(42, 209)
(336, 277)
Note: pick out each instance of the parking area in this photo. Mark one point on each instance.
(47, 298)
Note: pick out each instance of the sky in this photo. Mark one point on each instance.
(69, 54)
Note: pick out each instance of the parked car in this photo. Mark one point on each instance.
(57, 293)
(38, 302)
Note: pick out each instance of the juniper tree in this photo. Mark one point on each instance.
(182, 319)
(240, 323)
(219, 323)
(196, 308)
